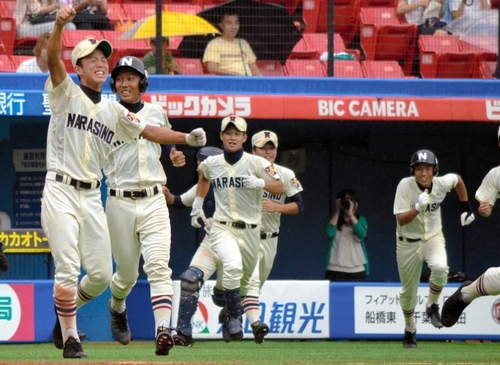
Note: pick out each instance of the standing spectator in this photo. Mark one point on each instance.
(169, 65)
(347, 259)
(91, 14)
(27, 10)
(417, 207)
(37, 64)
(228, 55)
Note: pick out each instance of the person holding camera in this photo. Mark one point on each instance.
(347, 259)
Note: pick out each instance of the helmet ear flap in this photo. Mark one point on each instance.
(112, 84)
(143, 86)
(412, 172)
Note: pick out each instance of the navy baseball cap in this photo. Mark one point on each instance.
(205, 152)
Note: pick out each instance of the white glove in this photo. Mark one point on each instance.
(197, 212)
(197, 138)
(253, 182)
(422, 201)
(209, 222)
(466, 218)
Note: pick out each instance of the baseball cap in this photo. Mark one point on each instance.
(207, 151)
(238, 122)
(261, 138)
(87, 46)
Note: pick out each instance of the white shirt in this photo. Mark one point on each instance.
(490, 186)
(29, 66)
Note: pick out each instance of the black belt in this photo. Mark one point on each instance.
(77, 184)
(411, 240)
(239, 225)
(135, 194)
(264, 236)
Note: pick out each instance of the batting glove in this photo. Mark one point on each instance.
(197, 138)
(422, 201)
(209, 222)
(253, 182)
(197, 212)
(467, 217)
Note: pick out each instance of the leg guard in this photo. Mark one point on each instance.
(232, 329)
(218, 298)
(191, 282)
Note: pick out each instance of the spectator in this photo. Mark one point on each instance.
(228, 55)
(413, 11)
(347, 230)
(169, 66)
(28, 16)
(469, 8)
(91, 14)
(37, 64)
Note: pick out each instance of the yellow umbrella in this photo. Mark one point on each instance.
(173, 24)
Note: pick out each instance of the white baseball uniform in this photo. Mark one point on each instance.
(138, 217)
(269, 230)
(79, 138)
(422, 239)
(235, 234)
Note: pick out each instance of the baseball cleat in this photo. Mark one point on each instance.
(183, 340)
(453, 307)
(57, 337)
(164, 341)
(410, 340)
(119, 325)
(259, 331)
(433, 314)
(73, 349)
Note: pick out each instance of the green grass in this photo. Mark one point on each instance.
(270, 352)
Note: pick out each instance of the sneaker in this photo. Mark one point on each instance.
(164, 341)
(119, 325)
(410, 340)
(433, 314)
(73, 349)
(453, 307)
(259, 331)
(183, 340)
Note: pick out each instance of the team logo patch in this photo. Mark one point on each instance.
(271, 170)
(133, 118)
(295, 182)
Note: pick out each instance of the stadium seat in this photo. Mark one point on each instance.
(441, 57)
(116, 14)
(290, 5)
(137, 11)
(71, 38)
(487, 69)
(17, 60)
(7, 26)
(318, 42)
(304, 68)
(385, 36)
(137, 48)
(184, 8)
(382, 69)
(270, 68)
(6, 64)
(315, 15)
(174, 46)
(378, 3)
(346, 68)
(190, 66)
(481, 54)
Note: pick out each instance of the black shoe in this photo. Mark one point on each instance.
(183, 340)
(119, 325)
(453, 307)
(164, 341)
(57, 337)
(433, 314)
(73, 349)
(234, 328)
(259, 331)
(410, 340)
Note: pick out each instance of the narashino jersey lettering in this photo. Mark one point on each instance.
(231, 182)
(87, 124)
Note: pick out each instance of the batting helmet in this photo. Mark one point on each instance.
(134, 63)
(205, 152)
(424, 156)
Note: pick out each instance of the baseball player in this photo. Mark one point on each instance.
(417, 207)
(204, 262)
(138, 218)
(489, 282)
(238, 179)
(265, 144)
(82, 130)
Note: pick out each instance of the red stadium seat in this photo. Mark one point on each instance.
(346, 68)
(487, 69)
(480, 54)
(346, 13)
(290, 5)
(7, 26)
(382, 69)
(190, 66)
(385, 36)
(184, 8)
(441, 57)
(304, 68)
(318, 42)
(71, 38)
(137, 11)
(378, 3)
(6, 64)
(137, 48)
(116, 14)
(270, 68)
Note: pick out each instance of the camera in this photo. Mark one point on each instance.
(345, 204)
